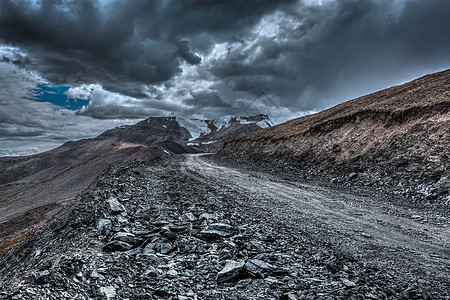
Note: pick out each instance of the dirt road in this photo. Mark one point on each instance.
(195, 227)
(408, 241)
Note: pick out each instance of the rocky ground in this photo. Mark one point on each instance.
(181, 228)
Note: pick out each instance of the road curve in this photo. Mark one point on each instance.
(375, 230)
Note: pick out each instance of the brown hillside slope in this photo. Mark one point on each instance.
(397, 138)
(36, 187)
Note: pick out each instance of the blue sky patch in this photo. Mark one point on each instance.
(54, 94)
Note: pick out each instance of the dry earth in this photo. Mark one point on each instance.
(187, 227)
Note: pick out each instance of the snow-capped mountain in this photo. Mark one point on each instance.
(192, 133)
(199, 129)
(209, 135)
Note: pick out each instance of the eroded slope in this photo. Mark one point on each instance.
(397, 138)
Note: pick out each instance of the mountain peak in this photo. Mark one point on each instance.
(207, 129)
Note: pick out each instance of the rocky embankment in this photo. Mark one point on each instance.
(395, 140)
(151, 231)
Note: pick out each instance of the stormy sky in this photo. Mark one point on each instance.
(71, 69)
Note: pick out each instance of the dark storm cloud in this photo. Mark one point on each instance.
(185, 52)
(341, 49)
(122, 45)
(206, 99)
(301, 55)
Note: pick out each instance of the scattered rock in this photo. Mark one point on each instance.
(207, 216)
(149, 249)
(230, 271)
(118, 281)
(41, 277)
(104, 226)
(117, 246)
(334, 268)
(159, 251)
(127, 238)
(292, 296)
(165, 248)
(108, 291)
(218, 230)
(258, 268)
(115, 207)
(190, 217)
(96, 275)
(160, 223)
(172, 273)
(348, 283)
(352, 175)
(271, 280)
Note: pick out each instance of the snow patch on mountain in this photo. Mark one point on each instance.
(198, 128)
(264, 123)
(195, 127)
(224, 121)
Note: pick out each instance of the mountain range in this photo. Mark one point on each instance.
(34, 188)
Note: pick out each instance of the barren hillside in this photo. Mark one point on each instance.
(34, 188)
(397, 138)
